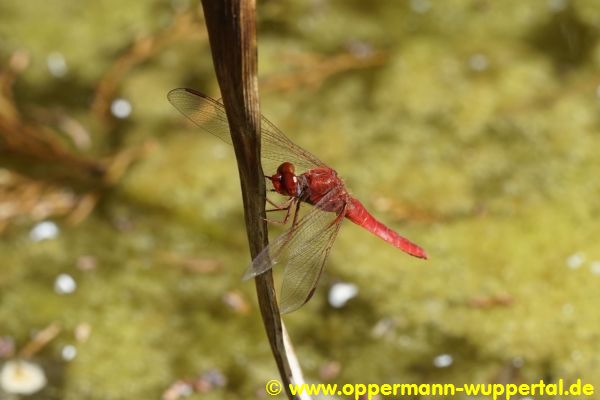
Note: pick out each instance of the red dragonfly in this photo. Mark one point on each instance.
(302, 178)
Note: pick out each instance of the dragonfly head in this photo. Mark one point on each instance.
(285, 181)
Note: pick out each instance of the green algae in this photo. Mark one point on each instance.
(493, 170)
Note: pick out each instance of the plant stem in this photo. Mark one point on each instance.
(231, 28)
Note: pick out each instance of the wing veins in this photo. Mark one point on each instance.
(210, 115)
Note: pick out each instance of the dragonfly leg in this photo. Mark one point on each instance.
(287, 207)
(296, 213)
(279, 207)
(295, 219)
(340, 216)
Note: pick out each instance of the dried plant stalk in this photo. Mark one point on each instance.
(232, 33)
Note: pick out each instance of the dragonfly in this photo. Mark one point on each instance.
(303, 179)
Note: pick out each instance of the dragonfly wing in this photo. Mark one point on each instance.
(276, 147)
(210, 115)
(207, 113)
(303, 269)
(302, 249)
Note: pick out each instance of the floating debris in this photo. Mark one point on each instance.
(209, 380)
(178, 390)
(197, 265)
(595, 267)
(568, 309)
(44, 231)
(236, 302)
(180, 5)
(22, 377)
(206, 382)
(420, 6)
(65, 284)
(121, 108)
(340, 293)
(19, 61)
(383, 327)
(219, 151)
(330, 370)
(57, 65)
(40, 340)
(499, 300)
(576, 260)
(7, 346)
(83, 332)
(360, 49)
(443, 361)
(478, 62)
(557, 5)
(86, 263)
(69, 352)
(518, 362)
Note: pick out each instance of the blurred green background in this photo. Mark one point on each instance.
(470, 126)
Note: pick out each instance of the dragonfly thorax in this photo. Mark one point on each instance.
(286, 182)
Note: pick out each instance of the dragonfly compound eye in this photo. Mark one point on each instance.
(277, 181)
(286, 168)
(290, 184)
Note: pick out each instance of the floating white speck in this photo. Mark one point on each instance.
(180, 5)
(595, 267)
(360, 49)
(575, 261)
(219, 151)
(65, 284)
(57, 65)
(478, 62)
(557, 5)
(568, 309)
(120, 108)
(43, 231)
(517, 362)
(443, 361)
(383, 327)
(22, 377)
(68, 352)
(420, 6)
(340, 293)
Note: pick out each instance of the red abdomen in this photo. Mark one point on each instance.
(358, 214)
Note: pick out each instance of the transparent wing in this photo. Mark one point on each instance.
(210, 115)
(303, 249)
(303, 269)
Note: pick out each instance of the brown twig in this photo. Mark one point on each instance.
(25, 139)
(41, 339)
(28, 141)
(69, 184)
(185, 26)
(231, 28)
(191, 264)
(22, 196)
(314, 69)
